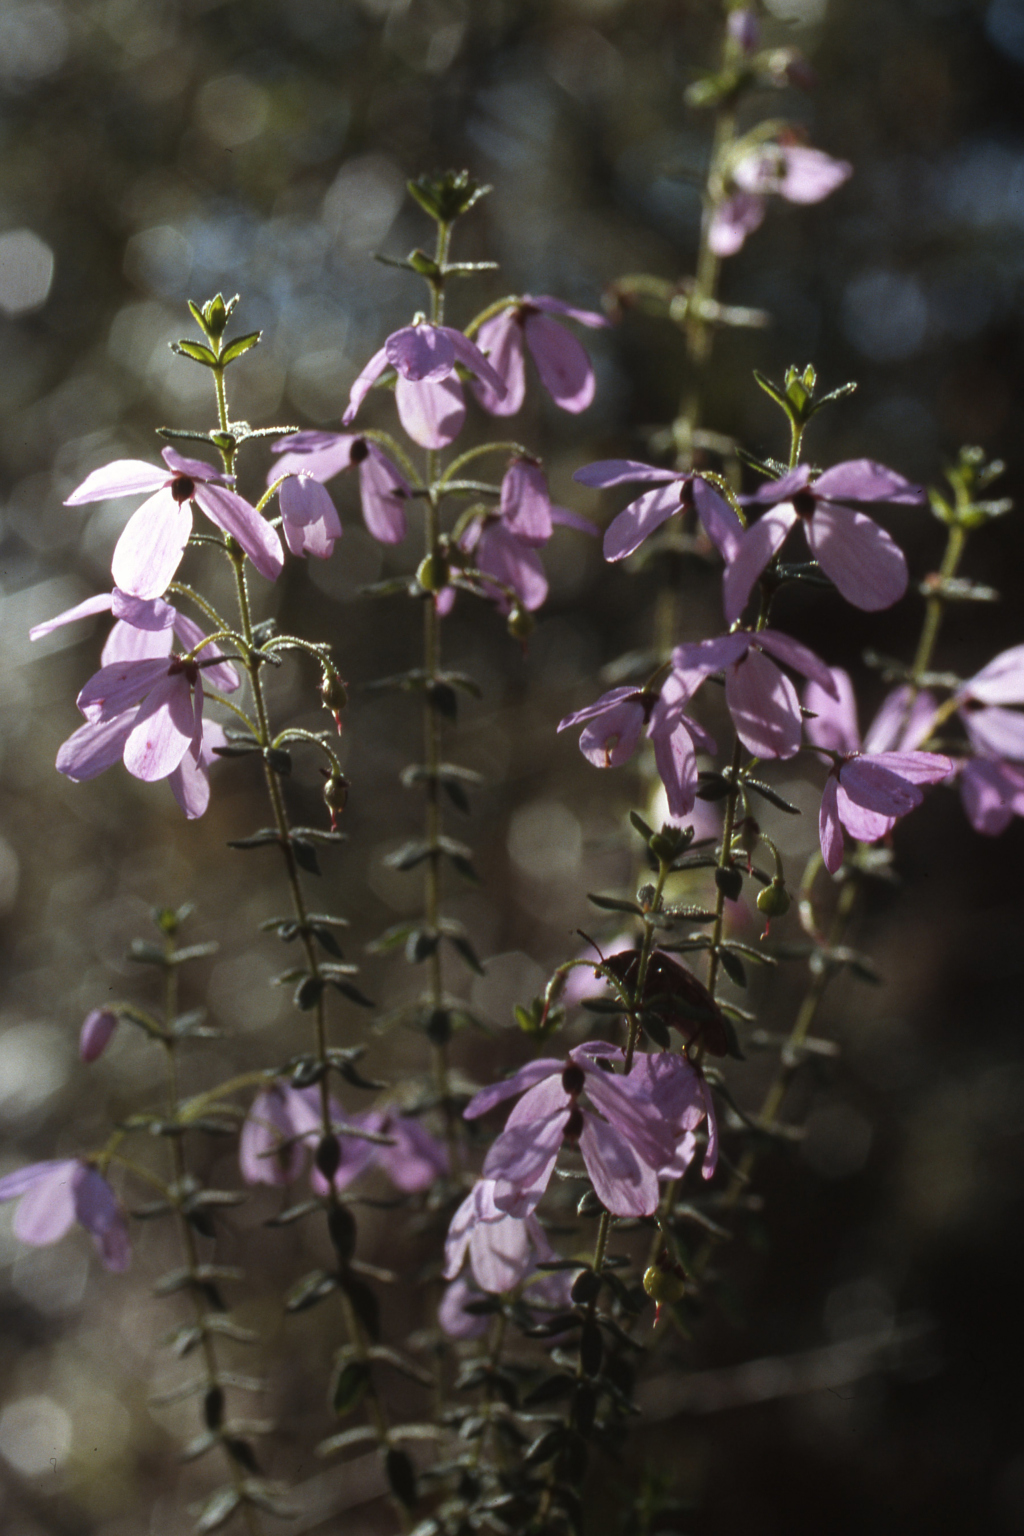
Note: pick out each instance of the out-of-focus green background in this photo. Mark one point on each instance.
(155, 151)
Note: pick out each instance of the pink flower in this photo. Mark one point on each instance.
(992, 792)
(428, 393)
(613, 724)
(868, 788)
(96, 1033)
(308, 517)
(564, 367)
(991, 786)
(322, 455)
(791, 171)
(854, 552)
(54, 1195)
(677, 493)
(762, 701)
(150, 548)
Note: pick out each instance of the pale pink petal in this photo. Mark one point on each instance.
(638, 521)
(150, 548)
(865, 825)
(792, 654)
(126, 643)
(550, 306)
(610, 739)
(383, 492)
(783, 489)
(222, 676)
(97, 1208)
(711, 1150)
(764, 707)
(915, 767)
(701, 657)
(808, 175)
(526, 502)
(830, 832)
(569, 519)
(244, 524)
(47, 1209)
(733, 220)
(163, 730)
(431, 413)
(562, 362)
(320, 454)
(533, 1072)
(501, 338)
(676, 762)
(993, 793)
(421, 352)
(94, 747)
(14, 1185)
(470, 356)
(521, 1162)
(888, 725)
(96, 1033)
(193, 469)
(364, 383)
(452, 1317)
(125, 477)
(309, 518)
(718, 519)
(190, 785)
(114, 689)
(1002, 681)
(501, 555)
(869, 782)
(995, 732)
(605, 702)
(605, 472)
(864, 480)
(500, 1253)
(622, 1181)
(865, 563)
(835, 726)
(625, 1103)
(84, 610)
(141, 612)
(755, 548)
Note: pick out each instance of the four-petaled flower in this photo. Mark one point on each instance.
(431, 405)
(54, 1195)
(564, 367)
(869, 786)
(867, 566)
(791, 171)
(151, 546)
(991, 783)
(677, 492)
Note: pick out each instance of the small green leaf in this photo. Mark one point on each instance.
(239, 345)
(350, 1386)
(615, 904)
(196, 351)
(401, 1476)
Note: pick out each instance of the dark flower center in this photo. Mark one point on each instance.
(190, 669)
(574, 1124)
(182, 488)
(804, 503)
(573, 1079)
(359, 451)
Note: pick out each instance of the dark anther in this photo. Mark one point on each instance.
(359, 451)
(573, 1079)
(182, 488)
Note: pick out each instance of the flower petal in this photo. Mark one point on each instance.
(864, 480)
(423, 353)
(94, 747)
(754, 549)
(996, 732)
(622, 1181)
(1002, 681)
(113, 690)
(383, 492)
(533, 1072)
(243, 523)
(320, 454)
(190, 785)
(865, 825)
(98, 604)
(195, 469)
(550, 306)
(223, 675)
(309, 518)
(605, 472)
(764, 707)
(501, 339)
(521, 1161)
(835, 727)
(151, 545)
(719, 521)
(124, 477)
(431, 413)
(993, 793)
(866, 564)
(500, 1253)
(562, 362)
(501, 555)
(526, 502)
(830, 833)
(471, 357)
(676, 762)
(792, 654)
(126, 643)
(702, 657)
(364, 383)
(98, 1210)
(163, 729)
(733, 220)
(809, 175)
(870, 783)
(638, 521)
(47, 1209)
(452, 1317)
(610, 739)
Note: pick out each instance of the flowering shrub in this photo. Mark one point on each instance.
(528, 1331)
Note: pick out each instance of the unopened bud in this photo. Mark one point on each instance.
(664, 1286)
(432, 573)
(334, 694)
(520, 623)
(336, 797)
(774, 900)
(96, 1033)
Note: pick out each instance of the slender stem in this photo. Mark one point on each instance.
(646, 947)
(724, 862)
(935, 607)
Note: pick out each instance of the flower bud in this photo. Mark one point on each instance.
(336, 797)
(663, 1285)
(334, 694)
(96, 1033)
(432, 573)
(520, 623)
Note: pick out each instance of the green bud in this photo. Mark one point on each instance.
(774, 900)
(432, 573)
(520, 623)
(336, 797)
(215, 314)
(663, 1285)
(334, 694)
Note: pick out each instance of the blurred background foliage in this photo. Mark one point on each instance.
(152, 150)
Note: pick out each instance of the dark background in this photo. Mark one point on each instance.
(157, 151)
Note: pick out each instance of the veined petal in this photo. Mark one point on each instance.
(423, 353)
(754, 549)
(383, 492)
(830, 833)
(500, 1253)
(533, 1072)
(866, 564)
(124, 477)
(190, 785)
(47, 1209)
(699, 658)
(126, 643)
(610, 739)
(141, 612)
(14, 1185)
(676, 762)
(222, 676)
(775, 491)
(550, 306)
(320, 454)
(868, 782)
(1002, 681)
(864, 480)
(114, 689)
(521, 1161)
(243, 523)
(764, 706)
(622, 1181)
(605, 472)
(364, 383)
(866, 826)
(150, 548)
(996, 732)
(526, 502)
(452, 1317)
(792, 654)
(471, 357)
(515, 564)
(626, 1104)
(562, 362)
(310, 520)
(993, 793)
(501, 339)
(94, 747)
(638, 521)
(195, 469)
(84, 610)
(432, 413)
(835, 728)
(718, 519)
(915, 767)
(605, 702)
(163, 730)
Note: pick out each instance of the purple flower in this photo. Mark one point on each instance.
(54, 1195)
(762, 701)
(564, 367)
(744, 29)
(150, 548)
(503, 1253)
(431, 406)
(859, 556)
(308, 516)
(994, 731)
(868, 788)
(96, 1032)
(677, 492)
(613, 726)
(792, 171)
(992, 792)
(622, 1151)
(322, 455)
